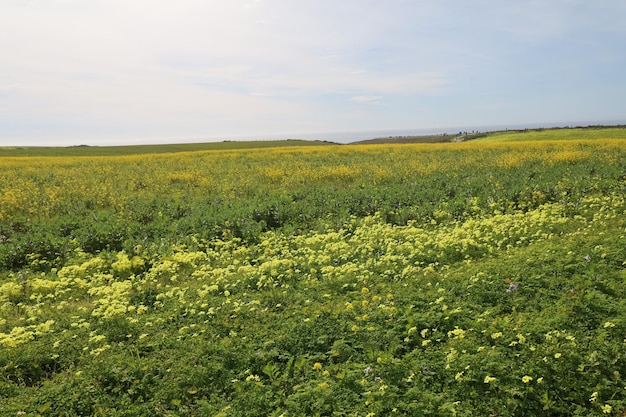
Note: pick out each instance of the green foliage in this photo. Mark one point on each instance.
(151, 149)
(494, 286)
(590, 132)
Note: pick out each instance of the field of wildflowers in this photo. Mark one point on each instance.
(453, 279)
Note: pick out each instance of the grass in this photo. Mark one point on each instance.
(586, 133)
(590, 132)
(151, 149)
(453, 279)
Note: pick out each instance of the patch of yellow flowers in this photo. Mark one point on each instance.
(45, 186)
(102, 286)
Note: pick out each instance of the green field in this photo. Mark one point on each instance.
(588, 133)
(84, 150)
(451, 279)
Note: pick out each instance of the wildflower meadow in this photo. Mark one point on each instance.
(480, 278)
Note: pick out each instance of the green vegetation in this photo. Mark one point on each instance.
(412, 139)
(149, 149)
(589, 133)
(458, 279)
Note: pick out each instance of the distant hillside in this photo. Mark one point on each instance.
(552, 133)
(564, 133)
(461, 136)
(84, 150)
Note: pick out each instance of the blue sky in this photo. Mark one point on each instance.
(147, 71)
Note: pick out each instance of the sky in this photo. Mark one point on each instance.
(102, 72)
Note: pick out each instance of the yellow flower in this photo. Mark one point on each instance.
(606, 409)
(526, 379)
(457, 333)
(489, 379)
(317, 366)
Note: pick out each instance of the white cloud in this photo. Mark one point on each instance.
(366, 99)
(252, 4)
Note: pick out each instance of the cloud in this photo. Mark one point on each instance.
(252, 4)
(305, 50)
(366, 99)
